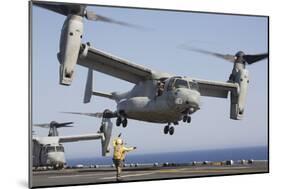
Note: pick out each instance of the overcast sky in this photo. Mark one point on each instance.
(155, 48)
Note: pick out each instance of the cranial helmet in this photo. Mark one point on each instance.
(119, 141)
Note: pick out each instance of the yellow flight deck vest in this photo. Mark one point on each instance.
(120, 151)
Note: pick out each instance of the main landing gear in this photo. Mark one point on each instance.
(168, 129)
(121, 120)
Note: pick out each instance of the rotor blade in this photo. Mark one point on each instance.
(59, 126)
(66, 124)
(47, 125)
(80, 10)
(43, 125)
(250, 59)
(90, 15)
(98, 114)
(62, 9)
(109, 20)
(227, 57)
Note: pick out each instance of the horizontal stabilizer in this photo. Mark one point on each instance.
(105, 114)
(103, 94)
(54, 124)
(76, 138)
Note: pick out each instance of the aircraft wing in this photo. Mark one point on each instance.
(112, 65)
(216, 88)
(76, 138)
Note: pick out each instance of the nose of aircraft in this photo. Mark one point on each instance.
(193, 98)
(187, 97)
(56, 158)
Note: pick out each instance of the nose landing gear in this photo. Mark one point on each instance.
(186, 118)
(170, 129)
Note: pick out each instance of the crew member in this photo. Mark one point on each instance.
(160, 88)
(119, 155)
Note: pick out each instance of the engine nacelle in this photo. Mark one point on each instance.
(238, 100)
(106, 128)
(70, 43)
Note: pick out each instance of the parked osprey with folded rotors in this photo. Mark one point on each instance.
(48, 151)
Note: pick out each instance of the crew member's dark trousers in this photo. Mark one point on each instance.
(118, 165)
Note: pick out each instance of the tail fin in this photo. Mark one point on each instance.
(89, 87)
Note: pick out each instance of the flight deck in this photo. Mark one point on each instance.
(139, 172)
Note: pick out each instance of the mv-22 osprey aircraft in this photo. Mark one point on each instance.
(156, 97)
(49, 151)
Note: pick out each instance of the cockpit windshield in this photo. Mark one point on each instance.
(50, 149)
(181, 83)
(60, 148)
(193, 85)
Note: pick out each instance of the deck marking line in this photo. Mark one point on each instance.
(132, 175)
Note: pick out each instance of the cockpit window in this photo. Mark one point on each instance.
(171, 84)
(51, 149)
(194, 86)
(181, 83)
(60, 149)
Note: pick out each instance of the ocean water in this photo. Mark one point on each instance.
(256, 153)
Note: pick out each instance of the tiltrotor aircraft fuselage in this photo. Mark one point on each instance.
(157, 96)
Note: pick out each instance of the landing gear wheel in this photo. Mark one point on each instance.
(124, 123)
(118, 121)
(171, 130)
(188, 119)
(184, 119)
(166, 129)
